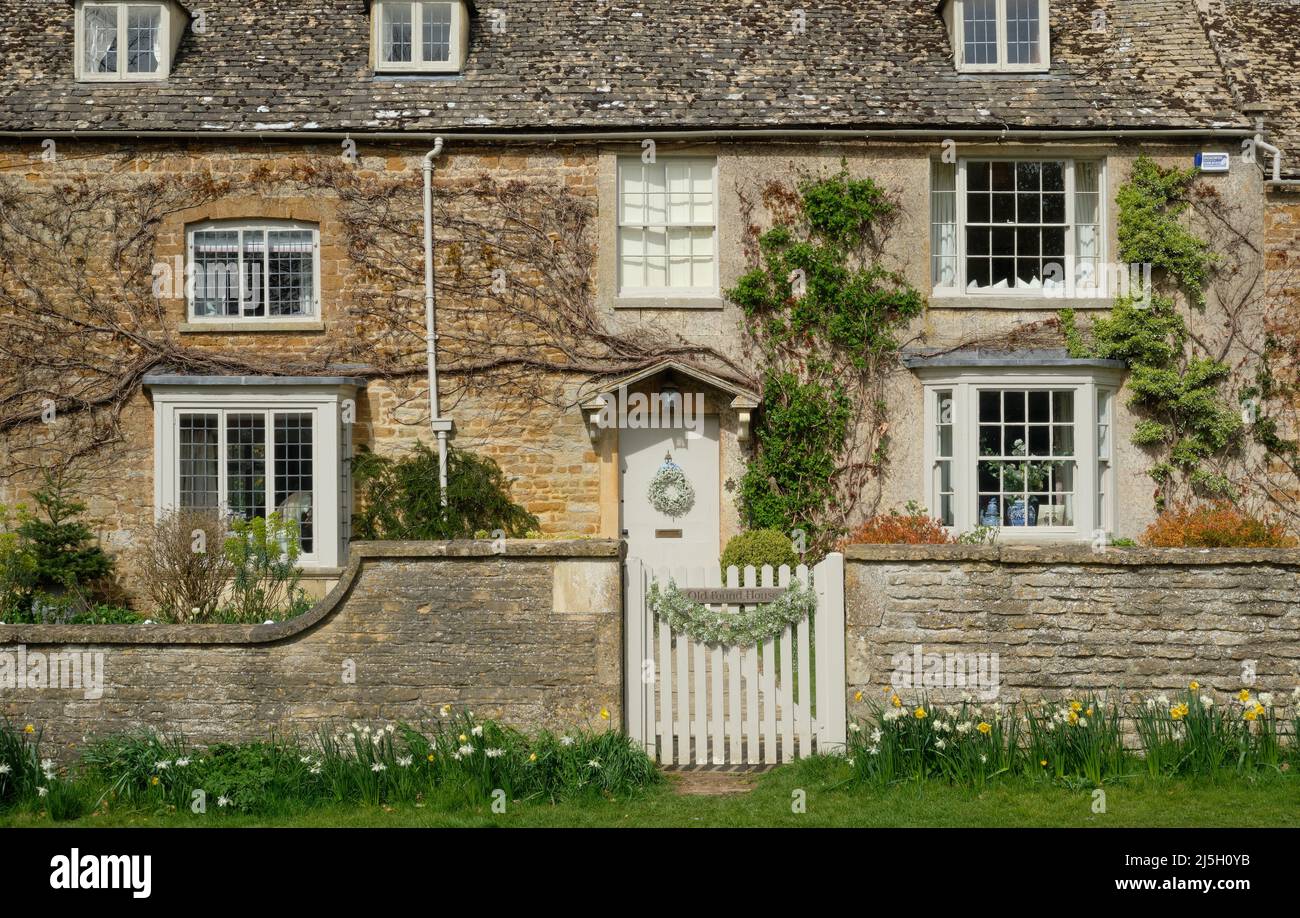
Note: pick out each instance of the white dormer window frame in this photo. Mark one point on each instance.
(413, 49)
(93, 15)
(1002, 27)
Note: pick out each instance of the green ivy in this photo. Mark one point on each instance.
(826, 318)
(1151, 206)
(1186, 418)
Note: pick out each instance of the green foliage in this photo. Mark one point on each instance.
(1151, 204)
(20, 763)
(264, 555)
(825, 317)
(18, 572)
(758, 547)
(63, 547)
(458, 759)
(400, 498)
(789, 483)
(1187, 420)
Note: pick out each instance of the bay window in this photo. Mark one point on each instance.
(1026, 452)
(1017, 227)
(247, 451)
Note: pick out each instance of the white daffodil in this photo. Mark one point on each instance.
(182, 762)
(477, 731)
(379, 766)
(4, 769)
(594, 763)
(494, 753)
(42, 791)
(404, 761)
(566, 741)
(223, 801)
(466, 750)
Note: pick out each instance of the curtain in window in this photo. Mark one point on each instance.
(397, 32)
(100, 40)
(943, 224)
(143, 37)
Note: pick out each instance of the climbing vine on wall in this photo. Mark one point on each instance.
(825, 315)
(1182, 390)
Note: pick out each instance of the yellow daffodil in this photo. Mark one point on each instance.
(896, 701)
(985, 728)
(1259, 709)
(1074, 718)
(430, 756)
(446, 709)
(1178, 712)
(1088, 712)
(1043, 763)
(1076, 707)
(154, 781)
(463, 738)
(1243, 696)
(29, 729)
(604, 713)
(857, 696)
(919, 713)
(532, 757)
(1195, 686)
(1250, 714)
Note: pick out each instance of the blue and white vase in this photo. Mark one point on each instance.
(1022, 514)
(992, 514)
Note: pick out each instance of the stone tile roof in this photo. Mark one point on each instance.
(1258, 43)
(267, 65)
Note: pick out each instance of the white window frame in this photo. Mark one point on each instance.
(458, 39)
(242, 226)
(122, 75)
(685, 293)
(1092, 513)
(331, 473)
(1071, 228)
(1001, 66)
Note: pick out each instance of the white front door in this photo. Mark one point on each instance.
(658, 539)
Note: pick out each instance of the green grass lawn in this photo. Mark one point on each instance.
(1263, 800)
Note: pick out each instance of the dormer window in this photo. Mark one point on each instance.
(126, 41)
(419, 37)
(1000, 35)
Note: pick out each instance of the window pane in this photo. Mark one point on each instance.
(1022, 32)
(254, 273)
(143, 34)
(666, 225)
(1023, 437)
(216, 273)
(981, 31)
(396, 32)
(293, 473)
(101, 39)
(292, 280)
(437, 31)
(943, 224)
(246, 465)
(197, 484)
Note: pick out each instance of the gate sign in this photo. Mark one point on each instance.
(734, 596)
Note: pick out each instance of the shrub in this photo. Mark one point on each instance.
(17, 571)
(263, 554)
(64, 548)
(1215, 525)
(73, 608)
(399, 497)
(758, 547)
(20, 762)
(184, 565)
(915, 527)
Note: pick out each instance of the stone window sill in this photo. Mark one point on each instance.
(1039, 303)
(239, 328)
(669, 302)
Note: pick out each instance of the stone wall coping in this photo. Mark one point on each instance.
(359, 554)
(1075, 554)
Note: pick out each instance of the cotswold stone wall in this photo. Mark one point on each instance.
(532, 637)
(1068, 619)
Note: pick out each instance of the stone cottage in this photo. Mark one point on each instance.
(211, 257)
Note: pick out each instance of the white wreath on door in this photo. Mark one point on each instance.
(670, 491)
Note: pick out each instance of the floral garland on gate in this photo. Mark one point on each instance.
(670, 491)
(743, 629)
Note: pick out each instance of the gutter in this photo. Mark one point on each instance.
(637, 136)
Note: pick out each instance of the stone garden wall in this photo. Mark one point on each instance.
(1071, 619)
(532, 636)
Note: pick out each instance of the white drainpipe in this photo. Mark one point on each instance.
(1262, 144)
(439, 425)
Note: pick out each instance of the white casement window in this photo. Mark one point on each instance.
(1018, 227)
(251, 453)
(1001, 35)
(1027, 453)
(419, 36)
(124, 41)
(667, 227)
(254, 270)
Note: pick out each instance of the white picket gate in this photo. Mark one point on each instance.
(693, 704)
